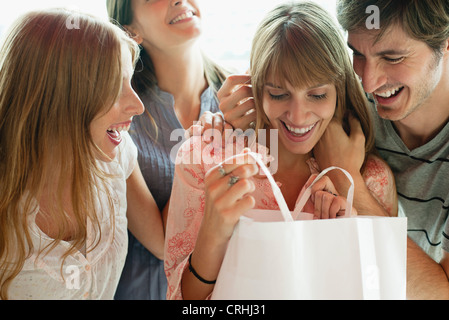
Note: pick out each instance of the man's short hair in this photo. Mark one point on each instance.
(426, 21)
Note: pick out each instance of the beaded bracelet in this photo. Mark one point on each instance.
(197, 275)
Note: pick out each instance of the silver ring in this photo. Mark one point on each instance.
(252, 124)
(233, 180)
(222, 171)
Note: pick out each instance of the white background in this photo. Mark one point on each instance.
(228, 25)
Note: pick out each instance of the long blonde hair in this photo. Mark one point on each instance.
(300, 43)
(58, 70)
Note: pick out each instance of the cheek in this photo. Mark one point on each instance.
(324, 125)
(149, 24)
(96, 133)
(100, 125)
(400, 74)
(266, 107)
(358, 66)
(272, 110)
(326, 111)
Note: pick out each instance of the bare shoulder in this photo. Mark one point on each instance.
(379, 179)
(376, 167)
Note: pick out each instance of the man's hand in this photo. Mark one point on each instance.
(336, 148)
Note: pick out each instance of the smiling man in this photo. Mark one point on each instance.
(404, 69)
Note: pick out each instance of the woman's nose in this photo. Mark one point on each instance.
(298, 112)
(133, 104)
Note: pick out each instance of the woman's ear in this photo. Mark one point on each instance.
(134, 34)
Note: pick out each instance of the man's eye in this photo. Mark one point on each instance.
(357, 55)
(394, 60)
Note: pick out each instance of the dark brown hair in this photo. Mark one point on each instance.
(426, 21)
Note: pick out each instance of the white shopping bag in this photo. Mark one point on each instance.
(273, 256)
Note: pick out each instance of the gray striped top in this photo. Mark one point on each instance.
(422, 179)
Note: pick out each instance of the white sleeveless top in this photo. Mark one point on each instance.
(93, 275)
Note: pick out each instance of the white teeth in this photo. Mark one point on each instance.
(183, 16)
(298, 130)
(119, 129)
(389, 93)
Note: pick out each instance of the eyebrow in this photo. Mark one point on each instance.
(269, 84)
(389, 52)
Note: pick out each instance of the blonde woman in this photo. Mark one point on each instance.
(66, 160)
(302, 79)
(177, 84)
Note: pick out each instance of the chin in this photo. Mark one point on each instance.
(297, 148)
(391, 114)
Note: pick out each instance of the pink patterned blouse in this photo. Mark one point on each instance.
(187, 203)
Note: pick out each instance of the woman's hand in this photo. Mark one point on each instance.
(228, 188)
(226, 199)
(237, 102)
(328, 204)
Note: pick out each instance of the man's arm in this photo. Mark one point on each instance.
(336, 148)
(426, 279)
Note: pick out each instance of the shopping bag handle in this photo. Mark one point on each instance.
(276, 191)
(280, 198)
(307, 193)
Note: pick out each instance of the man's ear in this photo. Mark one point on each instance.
(445, 47)
(134, 34)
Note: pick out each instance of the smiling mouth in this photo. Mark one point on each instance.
(389, 93)
(298, 132)
(183, 16)
(114, 132)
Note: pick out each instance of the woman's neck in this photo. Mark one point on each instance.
(181, 73)
(292, 173)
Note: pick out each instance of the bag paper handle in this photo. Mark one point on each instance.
(276, 191)
(280, 198)
(349, 197)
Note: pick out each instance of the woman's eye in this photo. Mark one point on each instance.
(277, 97)
(319, 96)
